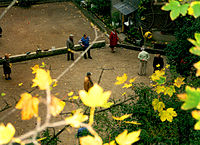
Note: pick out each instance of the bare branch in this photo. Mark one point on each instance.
(6, 10)
(68, 68)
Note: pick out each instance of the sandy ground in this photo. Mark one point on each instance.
(123, 61)
(49, 25)
(41, 26)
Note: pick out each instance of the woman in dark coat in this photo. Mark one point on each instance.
(6, 67)
(158, 62)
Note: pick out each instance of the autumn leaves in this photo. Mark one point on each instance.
(95, 97)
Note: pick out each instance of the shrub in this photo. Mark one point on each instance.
(177, 52)
(179, 131)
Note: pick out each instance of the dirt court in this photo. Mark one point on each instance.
(49, 25)
(42, 26)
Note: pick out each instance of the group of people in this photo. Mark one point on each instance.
(143, 57)
(84, 42)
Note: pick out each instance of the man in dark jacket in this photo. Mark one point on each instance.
(70, 46)
(158, 62)
(6, 67)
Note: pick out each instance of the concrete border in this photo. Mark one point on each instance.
(137, 48)
(50, 52)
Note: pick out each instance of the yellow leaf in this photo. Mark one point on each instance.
(160, 89)
(197, 126)
(127, 85)
(35, 68)
(132, 122)
(90, 140)
(197, 66)
(95, 97)
(121, 80)
(163, 115)
(196, 114)
(167, 114)
(29, 106)
(76, 119)
(55, 83)
(124, 94)
(158, 73)
(155, 102)
(20, 84)
(182, 97)
(110, 143)
(107, 105)
(132, 80)
(42, 79)
(122, 117)
(167, 66)
(169, 90)
(57, 94)
(70, 94)
(128, 139)
(178, 82)
(158, 65)
(160, 106)
(43, 64)
(56, 106)
(92, 24)
(6, 133)
(75, 97)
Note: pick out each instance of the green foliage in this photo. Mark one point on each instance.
(115, 17)
(176, 9)
(195, 50)
(48, 138)
(194, 9)
(101, 7)
(25, 3)
(177, 52)
(192, 100)
(154, 131)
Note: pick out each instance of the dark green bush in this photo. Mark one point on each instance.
(154, 131)
(177, 52)
(101, 7)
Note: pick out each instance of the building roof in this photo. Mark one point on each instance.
(127, 7)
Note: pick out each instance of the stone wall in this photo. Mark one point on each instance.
(50, 52)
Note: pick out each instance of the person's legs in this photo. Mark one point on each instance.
(89, 56)
(6, 76)
(85, 56)
(140, 68)
(68, 55)
(9, 78)
(144, 67)
(112, 49)
(72, 56)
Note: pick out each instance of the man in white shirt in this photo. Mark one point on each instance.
(143, 56)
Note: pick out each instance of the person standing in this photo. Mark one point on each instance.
(88, 82)
(7, 67)
(70, 46)
(143, 56)
(85, 43)
(113, 40)
(158, 62)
